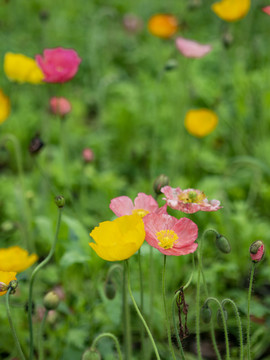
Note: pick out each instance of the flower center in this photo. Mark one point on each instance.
(140, 212)
(166, 238)
(191, 197)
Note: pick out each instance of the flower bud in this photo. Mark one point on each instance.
(227, 39)
(219, 317)
(91, 354)
(223, 244)
(170, 65)
(36, 144)
(3, 287)
(13, 285)
(60, 201)
(51, 300)
(88, 155)
(110, 289)
(161, 180)
(206, 314)
(256, 251)
(60, 106)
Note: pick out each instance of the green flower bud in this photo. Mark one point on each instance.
(161, 180)
(60, 201)
(13, 286)
(110, 289)
(206, 314)
(91, 354)
(223, 244)
(170, 65)
(51, 300)
(219, 317)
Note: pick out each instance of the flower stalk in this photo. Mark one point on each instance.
(99, 337)
(248, 309)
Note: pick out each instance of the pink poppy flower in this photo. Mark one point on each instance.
(60, 106)
(266, 9)
(88, 155)
(192, 49)
(170, 235)
(189, 201)
(58, 65)
(143, 205)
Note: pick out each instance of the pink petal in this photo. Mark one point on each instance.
(162, 210)
(154, 223)
(146, 202)
(266, 9)
(170, 192)
(182, 251)
(122, 205)
(192, 49)
(187, 232)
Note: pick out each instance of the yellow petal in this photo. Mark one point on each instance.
(4, 107)
(231, 10)
(6, 278)
(200, 122)
(16, 259)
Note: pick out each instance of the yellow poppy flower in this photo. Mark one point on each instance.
(5, 278)
(16, 259)
(4, 107)
(200, 122)
(231, 10)
(163, 25)
(21, 68)
(118, 239)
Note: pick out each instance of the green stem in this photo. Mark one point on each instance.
(94, 343)
(126, 318)
(248, 309)
(238, 319)
(41, 330)
(166, 311)
(139, 313)
(191, 276)
(14, 334)
(141, 303)
(198, 342)
(175, 327)
(34, 273)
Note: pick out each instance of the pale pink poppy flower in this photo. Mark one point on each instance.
(192, 49)
(58, 65)
(60, 106)
(88, 155)
(266, 9)
(170, 235)
(143, 205)
(189, 200)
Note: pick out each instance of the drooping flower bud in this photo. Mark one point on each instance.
(256, 251)
(223, 244)
(206, 314)
(161, 181)
(36, 144)
(110, 289)
(91, 354)
(171, 64)
(51, 300)
(219, 317)
(13, 286)
(60, 201)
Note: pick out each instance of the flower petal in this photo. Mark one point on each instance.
(122, 205)
(146, 202)
(192, 49)
(187, 232)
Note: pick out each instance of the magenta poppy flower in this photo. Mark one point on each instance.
(58, 65)
(143, 205)
(192, 49)
(170, 235)
(189, 201)
(266, 9)
(60, 106)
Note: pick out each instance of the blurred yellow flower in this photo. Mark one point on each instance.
(200, 122)
(118, 239)
(231, 10)
(4, 107)
(16, 259)
(163, 25)
(21, 68)
(5, 278)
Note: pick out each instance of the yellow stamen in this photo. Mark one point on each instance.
(140, 212)
(192, 197)
(166, 238)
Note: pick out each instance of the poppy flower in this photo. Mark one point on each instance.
(5, 278)
(58, 65)
(88, 155)
(170, 235)
(189, 200)
(22, 69)
(118, 239)
(16, 259)
(143, 204)
(192, 49)
(200, 122)
(163, 25)
(266, 9)
(4, 107)
(231, 10)
(60, 106)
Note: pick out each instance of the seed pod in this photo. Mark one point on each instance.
(91, 354)
(60, 201)
(110, 289)
(206, 314)
(51, 300)
(223, 244)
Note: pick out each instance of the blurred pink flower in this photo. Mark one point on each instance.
(60, 106)
(143, 205)
(88, 155)
(132, 23)
(189, 201)
(266, 9)
(192, 49)
(58, 65)
(170, 235)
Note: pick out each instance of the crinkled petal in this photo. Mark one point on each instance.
(122, 205)
(146, 202)
(187, 232)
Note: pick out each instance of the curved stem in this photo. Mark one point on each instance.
(40, 341)
(34, 273)
(238, 319)
(14, 334)
(182, 355)
(113, 268)
(94, 343)
(248, 309)
(139, 313)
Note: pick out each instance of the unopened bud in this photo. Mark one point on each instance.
(219, 317)
(206, 314)
(36, 144)
(170, 65)
(3, 287)
(110, 289)
(223, 244)
(256, 251)
(13, 286)
(161, 180)
(227, 39)
(60, 201)
(91, 354)
(51, 300)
